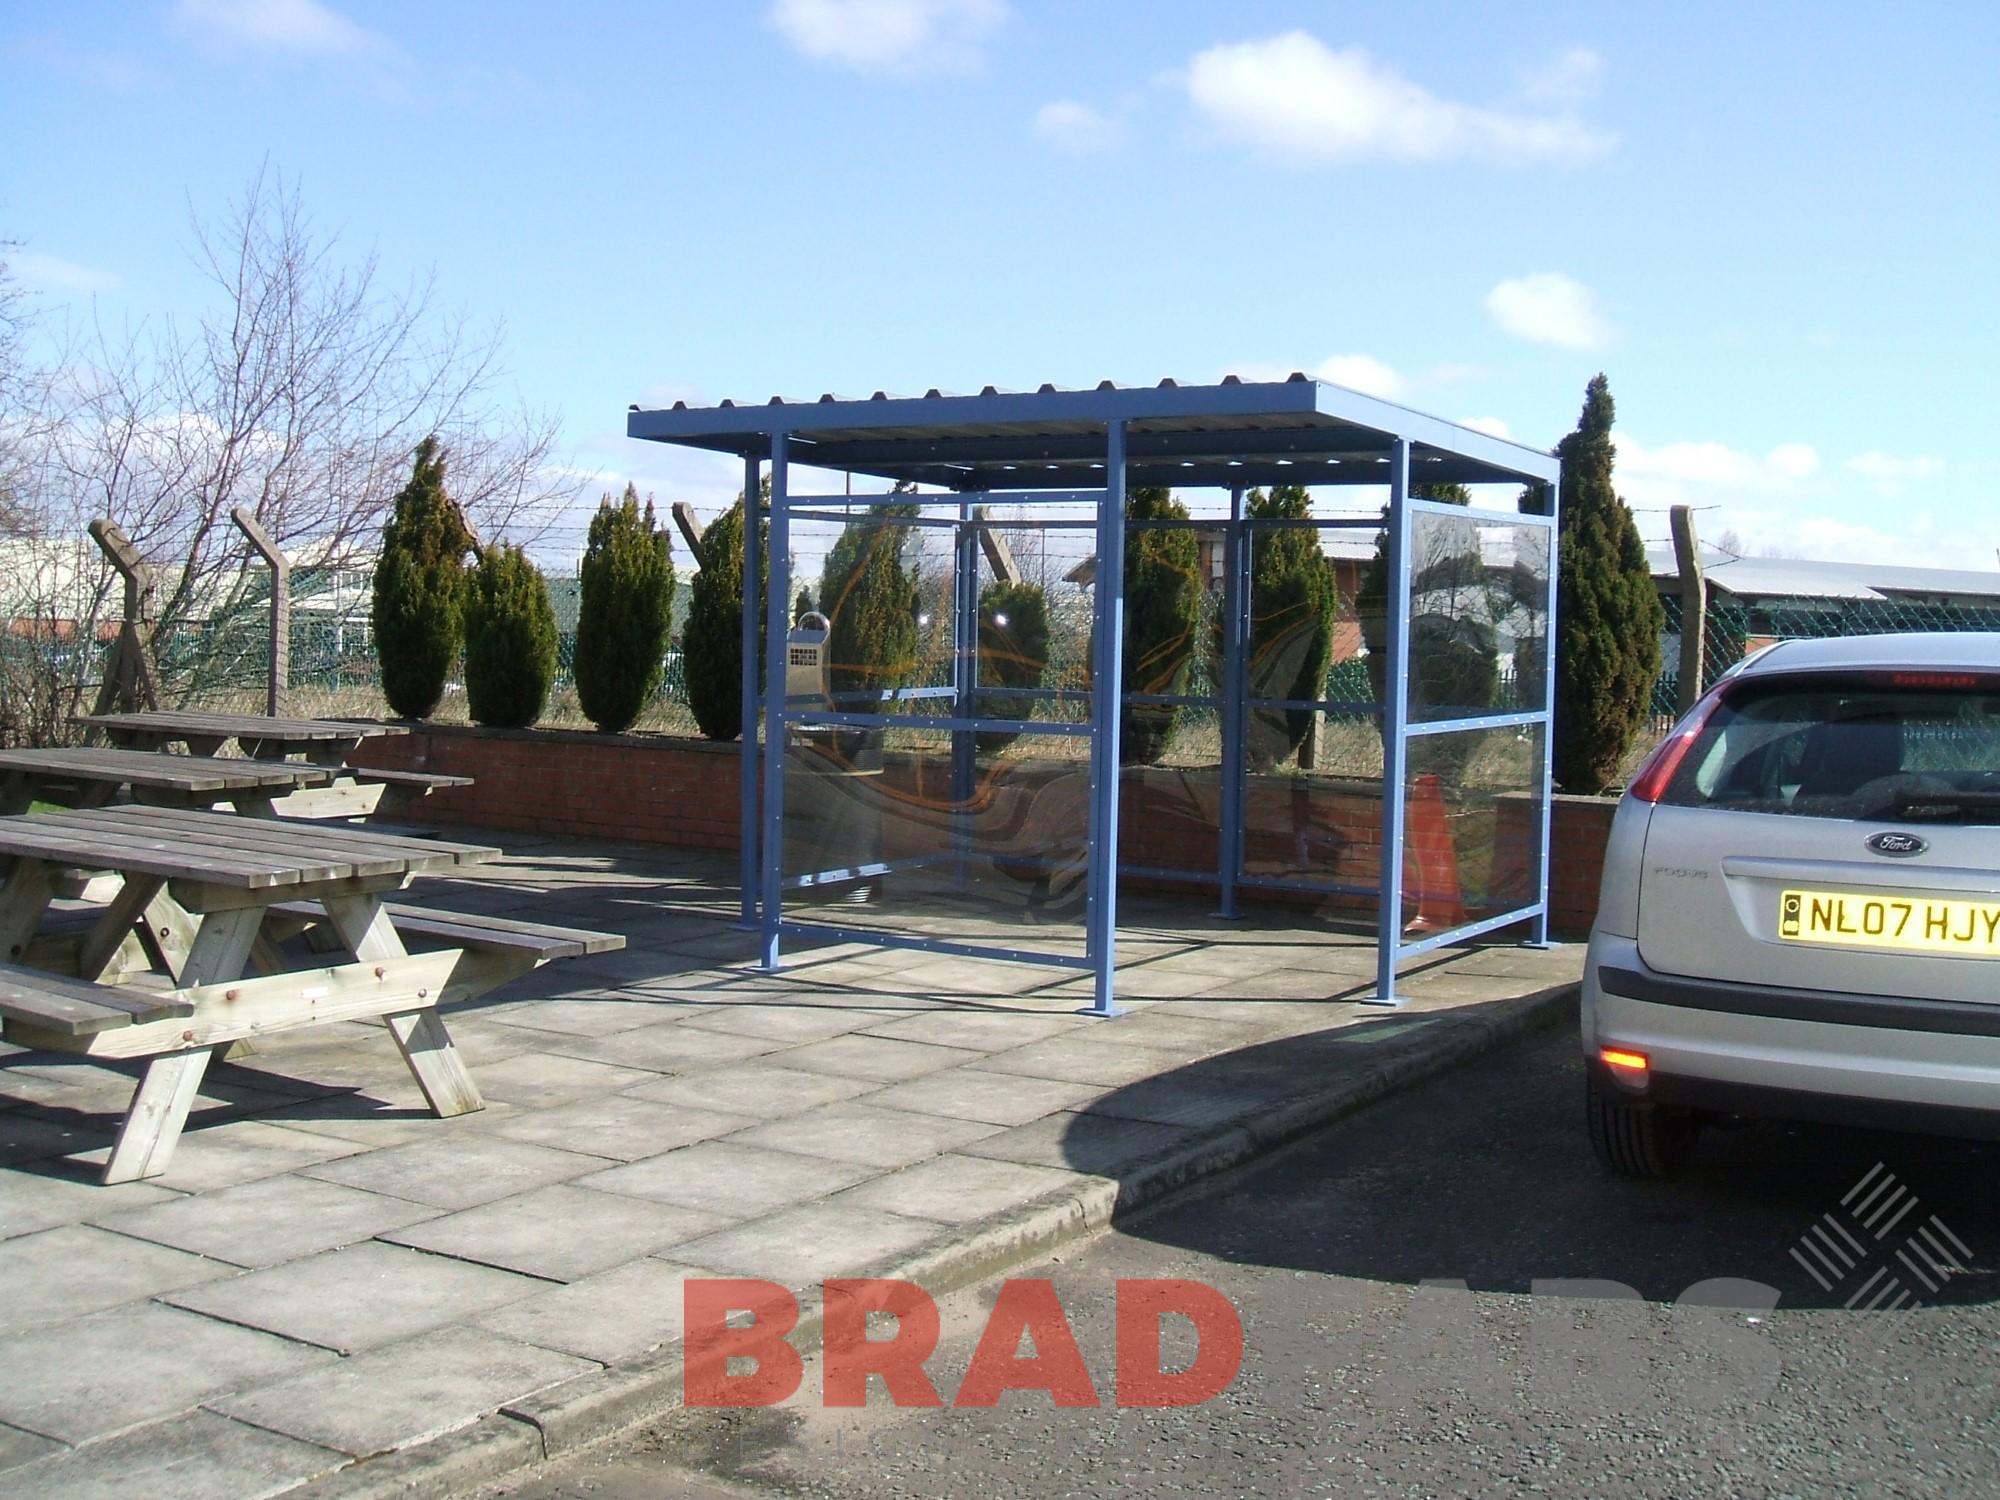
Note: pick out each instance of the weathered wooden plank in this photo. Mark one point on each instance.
(152, 1126)
(228, 1012)
(78, 1007)
(468, 929)
(143, 768)
(58, 845)
(434, 1062)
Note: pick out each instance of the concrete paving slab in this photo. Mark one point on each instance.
(727, 1178)
(864, 1134)
(667, 1047)
(766, 1089)
(200, 1456)
(881, 1058)
(75, 1269)
(262, 1223)
(613, 1317)
(31, 1200)
(389, 1398)
(981, 1028)
(28, 1134)
(358, 1298)
(995, 1098)
(797, 1247)
(784, 1023)
(561, 1233)
(956, 1188)
(17, 1448)
(371, 1120)
(619, 1127)
(237, 1151)
(461, 1172)
(1103, 1059)
(598, 1015)
(1100, 1145)
(536, 1080)
(132, 1364)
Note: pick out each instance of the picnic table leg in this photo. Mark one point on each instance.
(17, 793)
(26, 895)
(365, 927)
(111, 930)
(152, 1126)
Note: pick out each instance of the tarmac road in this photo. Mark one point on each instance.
(1357, 1381)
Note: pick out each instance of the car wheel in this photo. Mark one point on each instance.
(1635, 1139)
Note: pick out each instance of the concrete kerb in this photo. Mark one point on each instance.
(591, 1408)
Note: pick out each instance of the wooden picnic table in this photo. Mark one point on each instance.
(197, 890)
(326, 742)
(356, 791)
(77, 776)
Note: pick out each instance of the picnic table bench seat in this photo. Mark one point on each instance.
(51, 1003)
(429, 780)
(537, 941)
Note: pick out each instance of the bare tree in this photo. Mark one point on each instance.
(300, 394)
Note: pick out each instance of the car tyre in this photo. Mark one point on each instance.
(1636, 1139)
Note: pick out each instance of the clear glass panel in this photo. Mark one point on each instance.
(1033, 634)
(1472, 824)
(1320, 826)
(924, 834)
(1478, 614)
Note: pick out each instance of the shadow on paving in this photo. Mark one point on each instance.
(1497, 1186)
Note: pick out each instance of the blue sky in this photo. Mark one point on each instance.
(1772, 225)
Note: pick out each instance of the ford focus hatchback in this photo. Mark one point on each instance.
(1800, 914)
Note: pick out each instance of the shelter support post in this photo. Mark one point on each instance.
(964, 680)
(1538, 932)
(1233, 690)
(1395, 722)
(747, 864)
(777, 732)
(1107, 703)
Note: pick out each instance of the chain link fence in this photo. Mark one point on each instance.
(1732, 630)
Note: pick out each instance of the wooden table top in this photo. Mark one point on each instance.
(175, 723)
(149, 768)
(223, 849)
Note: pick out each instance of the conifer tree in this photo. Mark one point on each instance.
(1013, 652)
(1608, 614)
(1162, 606)
(419, 589)
(510, 639)
(625, 612)
(870, 601)
(712, 639)
(1293, 599)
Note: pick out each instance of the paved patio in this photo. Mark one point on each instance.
(328, 1274)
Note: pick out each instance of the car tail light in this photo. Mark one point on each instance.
(1632, 1064)
(1650, 785)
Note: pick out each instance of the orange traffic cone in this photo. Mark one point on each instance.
(1430, 863)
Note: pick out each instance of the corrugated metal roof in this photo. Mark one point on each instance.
(1801, 578)
(1234, 432)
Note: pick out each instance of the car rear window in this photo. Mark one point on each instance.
(1913, 746)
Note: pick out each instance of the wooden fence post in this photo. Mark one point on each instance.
(128, 677)
(1694, 608)
(281, 606)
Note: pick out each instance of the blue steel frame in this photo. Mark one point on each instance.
(1165, 435)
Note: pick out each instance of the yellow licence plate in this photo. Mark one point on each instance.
(1928, 924)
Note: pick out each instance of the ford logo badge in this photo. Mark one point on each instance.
(1898, 845)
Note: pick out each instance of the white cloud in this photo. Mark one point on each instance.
(1299, 99)
(1549, 308)
(1491, 426)
(1071, 126)
(1891, 475)
(1358, 372)
(51, 273)
(303, 28)
(1566, 81)
(876, 35)
(1696, 473)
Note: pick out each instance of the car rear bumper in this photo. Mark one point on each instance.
(1795, 1053)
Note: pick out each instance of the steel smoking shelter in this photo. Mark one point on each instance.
(1062, 462)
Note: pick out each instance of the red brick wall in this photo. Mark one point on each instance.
(655, 789)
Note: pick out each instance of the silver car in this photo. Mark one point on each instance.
(1800, 915)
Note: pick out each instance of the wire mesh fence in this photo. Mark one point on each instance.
(1731, 630)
